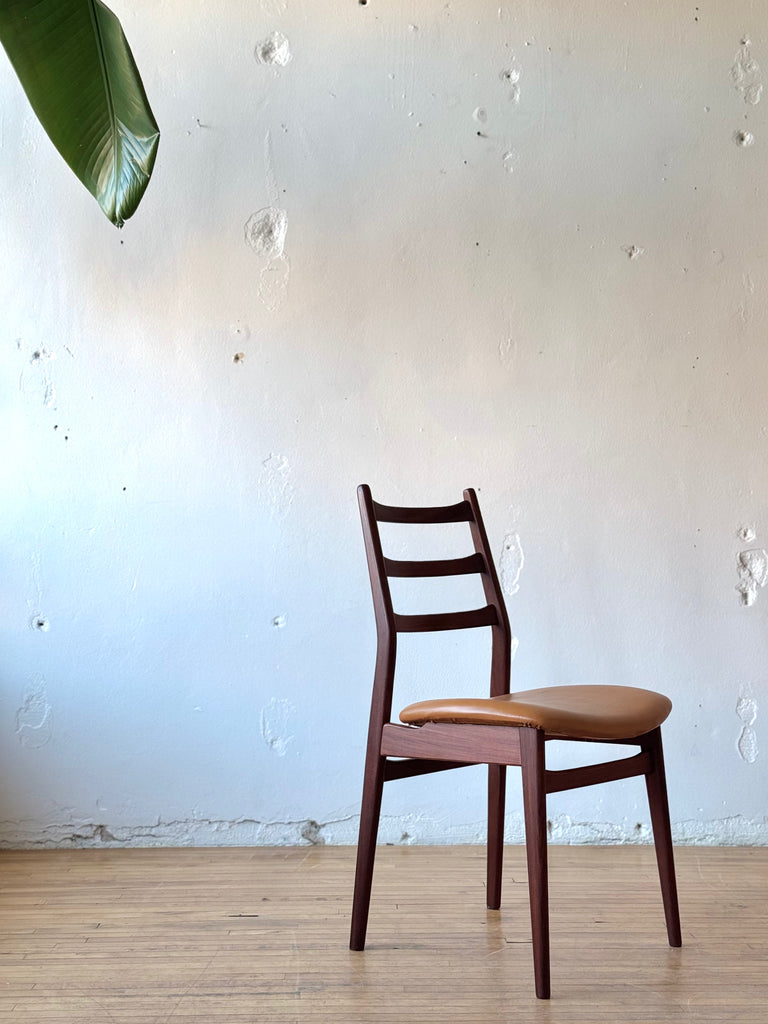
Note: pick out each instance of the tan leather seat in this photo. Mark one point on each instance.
(586, 712)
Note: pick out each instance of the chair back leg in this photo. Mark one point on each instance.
(497, 780)
(656, 785)
(535, 808)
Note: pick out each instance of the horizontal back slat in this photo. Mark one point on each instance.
(446, 620)
(442, 567)
(460, 513)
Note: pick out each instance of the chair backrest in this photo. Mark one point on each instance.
(389, 623)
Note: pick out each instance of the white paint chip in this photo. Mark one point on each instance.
(746, 709)
(275, 50)
(265, 231)
(752, 566)
(276, 723)
(746, 533)
(511, 564)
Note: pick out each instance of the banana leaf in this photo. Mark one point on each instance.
(77, 70)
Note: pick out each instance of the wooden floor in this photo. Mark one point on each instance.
(229, 936)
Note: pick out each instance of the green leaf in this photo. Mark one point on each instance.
(78, 72)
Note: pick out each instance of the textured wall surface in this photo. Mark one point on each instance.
(425, 245)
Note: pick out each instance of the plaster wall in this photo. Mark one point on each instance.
(515, 246)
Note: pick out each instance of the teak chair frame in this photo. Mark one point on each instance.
(434, 747)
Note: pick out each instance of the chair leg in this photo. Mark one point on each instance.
(497, 778)
(370, 810)
(535, 807)
(656, 785)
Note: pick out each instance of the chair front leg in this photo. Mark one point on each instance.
(535, 808)
(656, 784)
(370, 810)
(497, 779)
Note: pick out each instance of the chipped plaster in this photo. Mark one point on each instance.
(406, 829)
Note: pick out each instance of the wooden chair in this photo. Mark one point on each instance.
(502, 729)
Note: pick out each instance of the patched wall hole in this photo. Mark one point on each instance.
(752, 567)
(34, 717)
(743, 138)
(511, 564)
(746, 709)
(275, 50)
(276, 725)
(265, 231)
(634, 252)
